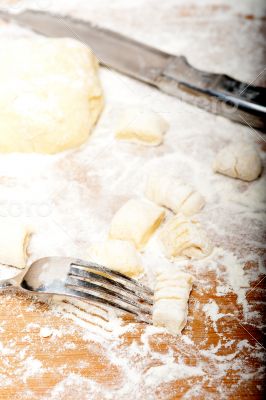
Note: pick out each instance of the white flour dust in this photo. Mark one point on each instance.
(69, 200)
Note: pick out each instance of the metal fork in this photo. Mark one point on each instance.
(77, 278)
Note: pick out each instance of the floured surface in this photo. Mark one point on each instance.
(70, 199)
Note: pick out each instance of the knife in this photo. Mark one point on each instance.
(216, 93)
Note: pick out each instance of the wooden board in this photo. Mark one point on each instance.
(88, 359)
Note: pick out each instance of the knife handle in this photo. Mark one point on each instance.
(217, 93)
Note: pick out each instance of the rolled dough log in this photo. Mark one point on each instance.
(50, 95)
(14, 238)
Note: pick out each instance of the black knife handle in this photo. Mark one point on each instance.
(217, 93)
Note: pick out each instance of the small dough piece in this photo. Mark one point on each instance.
(172, 193)
(171, 301)
(136, 221)
(50, 96)
(239, 160)
(14, 239)
(183, 237)
(119, 255)
(141, 126)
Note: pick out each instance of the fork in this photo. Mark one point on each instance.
(51, 276)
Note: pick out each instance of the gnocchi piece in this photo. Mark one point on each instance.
(119, 255)
(136, 221)
(172, 193)
(14, 239)
(239, 160)
(183, 237)
(171, 301)
(141, 126)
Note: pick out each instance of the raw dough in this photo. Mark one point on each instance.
(184, 237)
(14, 238)
(239, 160)
(136, 221)
(119, 255)
(141, 126)
(50, 94)
(171, 300)
(172, 193)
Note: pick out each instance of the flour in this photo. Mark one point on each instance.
(31, 367)
(169, 372)
(211, 310)
(70, 199)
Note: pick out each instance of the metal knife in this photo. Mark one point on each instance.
(216, 93)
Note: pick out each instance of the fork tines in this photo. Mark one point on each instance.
(103, 285)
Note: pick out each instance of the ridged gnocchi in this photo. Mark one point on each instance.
(184, 238)
(171, 296)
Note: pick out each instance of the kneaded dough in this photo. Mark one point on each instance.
(14, 239)
(171, 296)
(239, 160)
(50, 95)
(184, 238)
(141, 126)
(172, 193)
(118, 255)
(136, 221)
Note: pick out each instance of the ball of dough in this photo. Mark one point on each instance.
(183, 237)
(14, 238)
(240, 160)
(136, 221)
(170, 192)
(118, 255)
(141, 126)
(50, 95)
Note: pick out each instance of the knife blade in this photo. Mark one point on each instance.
(216, 93)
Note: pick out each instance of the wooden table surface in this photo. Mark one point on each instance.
(87, 358)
